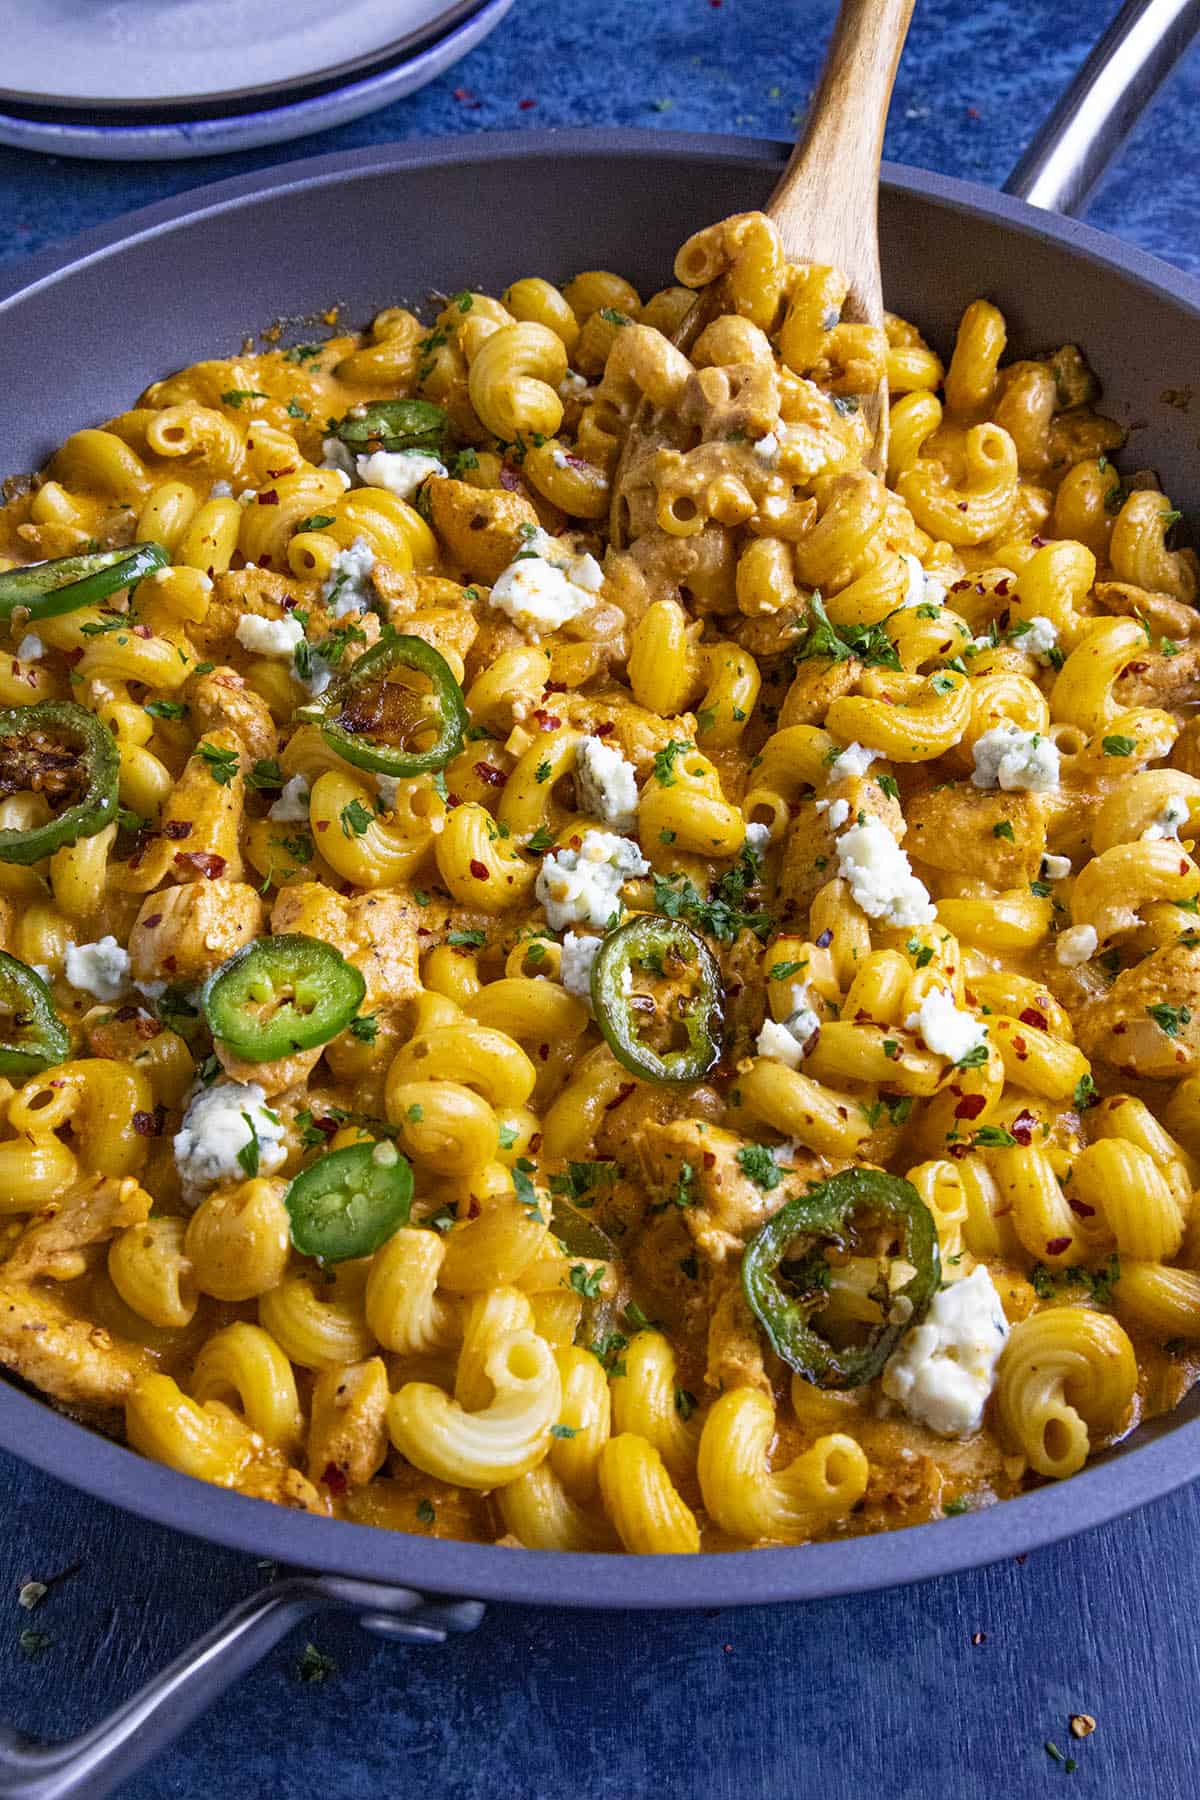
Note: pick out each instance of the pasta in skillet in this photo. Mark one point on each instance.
(671, 1041)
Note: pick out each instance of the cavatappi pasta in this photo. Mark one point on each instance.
(673, 1043)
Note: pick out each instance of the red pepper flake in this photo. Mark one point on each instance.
(526, 105)
(143, 1124)
(547, 721)
(962, 506)
(124, 1014)
(142, 631)
(555, 687)
(958, 1151)
(710, 1161)
(323, 824)
(543, 1053)
(335, 1480)
(177, 828)
(488, 772)
(1058, 1246)
(1037, 541)
(278, 474)
(146, 1027)
(203, 861)
(150, 923)
(268, 497)
(465, 97)
(1031, 1016)
(508, 478)
(970, 1106)
(535, 1143)
(479, 870)
(1021, 1046)
(1023, 1127)
(1081, 1209)
(1135, 668)
(623, 1092)
(604, 729)
(1002, 587)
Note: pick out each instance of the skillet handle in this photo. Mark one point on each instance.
(1092, 120)
(98, 1761)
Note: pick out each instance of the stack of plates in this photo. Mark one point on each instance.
(134, 79)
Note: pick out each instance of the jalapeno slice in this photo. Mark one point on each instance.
(46, 589)
(395, 425)
(280, 995)
(32, 1036)
(385, 725)
(794, 1240)
(350, 1202)
(63, 752)
(666, 947)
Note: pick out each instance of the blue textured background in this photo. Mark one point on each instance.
(886, 1694)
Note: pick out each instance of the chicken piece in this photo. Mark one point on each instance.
(810, 856)
(697, 1166)
(481, 528)
(699, 571)
(771, 634)
(995, 837)
(380, 933)
(201, 821)
(496, 635)
(66, 1357)
(1151, 679)
(52, 1245)
(816, 685)
(735, 1345)
(745, 1000)
(637, 733)
(1165, 617)
(236, 593)
(274, 1078)
(223, 701)
(347, 1435)
(282, 1486)
(1148, 1024)
(429, 607)
(184, 933)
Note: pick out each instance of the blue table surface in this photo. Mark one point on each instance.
(948, 1689)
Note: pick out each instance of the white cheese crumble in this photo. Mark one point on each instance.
(269, 637)
(1165, 825)
(1055, 868)
(572, 386)
(388, 787)
(334, 455)
(758, 836)
(31, 648)
(220, 490)
(575, 968)
(220, 1121)
(401, 472)
(348, 588)
(151, 990)
(922, 589)
(1008, 757)
(1040, 640)
(854, 760)
(767, 449)
(881, 879)
(540, 591)
(838, 810)
(101, 969)
(1078, 945)
(582, 887)
(789, 1041)
(607, 784)
(945, 1368)
(945, 1027)
(292, 804)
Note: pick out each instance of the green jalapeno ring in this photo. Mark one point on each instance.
(821, 1215)
(36, 1038)
(97, 751)
(396, 425)
(394, 650)
(646, 939)
(321, 992)
(350, 1202)
(63, 585)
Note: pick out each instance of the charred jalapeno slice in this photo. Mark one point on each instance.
(281, 995)
(32, 1036)
(46, 589)
(392, 727)
(668, 948)
(793, 1243)
(64, 753)
(350, 1202)
(395, 425)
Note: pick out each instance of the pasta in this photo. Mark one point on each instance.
(666, 1041)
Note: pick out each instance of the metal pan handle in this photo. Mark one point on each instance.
(96, 1763)
(1096, 114)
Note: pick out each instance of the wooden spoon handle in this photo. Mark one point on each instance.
(825, 202)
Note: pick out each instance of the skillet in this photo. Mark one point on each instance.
(82, 331)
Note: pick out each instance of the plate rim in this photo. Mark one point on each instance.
(76, 109)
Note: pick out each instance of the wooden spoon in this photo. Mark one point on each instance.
(825, 206)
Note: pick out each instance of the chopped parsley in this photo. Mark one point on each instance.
(365, 1028)
(1119, 746)
(869, 643)
(995, 1137)
(314, 1665)
(467, 940)
(356, 819)
(166, 709)
(586, 1281)
(1004, 830)
(664, 761)
(758, 1162)
(1170, 1019)
(564, 1431)
(222, 764)
(234, 396)
(266, 773)
(248, 1155)
(1098, 1284)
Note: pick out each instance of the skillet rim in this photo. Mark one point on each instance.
(59, 1446)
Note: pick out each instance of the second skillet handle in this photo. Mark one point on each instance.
(96, 1763)
(1092, 120)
